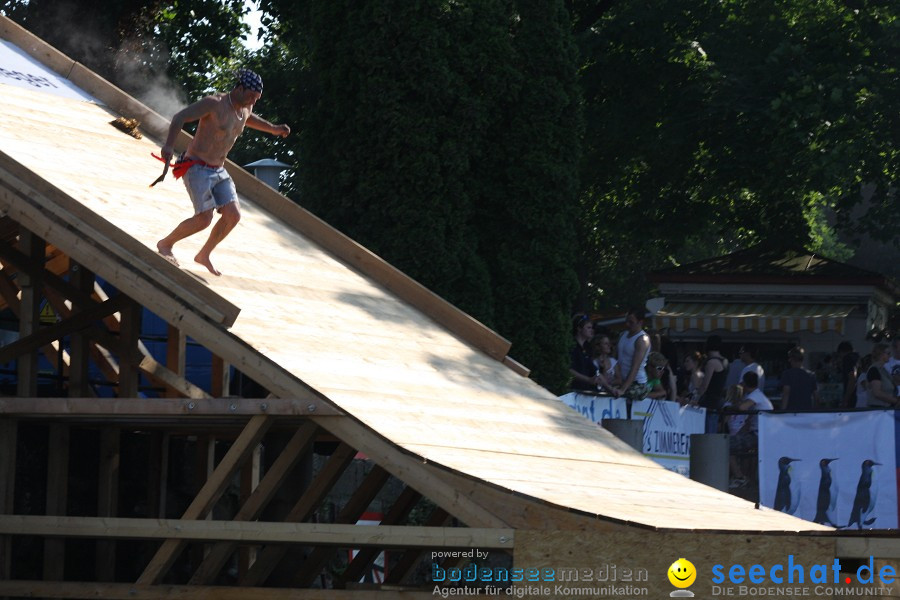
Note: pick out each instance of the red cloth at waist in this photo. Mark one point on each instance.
(181, 166)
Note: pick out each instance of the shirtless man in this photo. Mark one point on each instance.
(222, 119)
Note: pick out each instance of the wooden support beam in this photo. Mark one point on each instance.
(204, 463)
(220, 377)
(405, 565)
(8, 441)
(130, 357)
(298, 445)
(158, 473)
(176, 351)
(398, 512)
(9, 294)
(31, 262)
(308, 534)
(29, 316)
(108, 498)
(129, 591)
(57, 496)
(101, 342)
(157, 407)
(350, 513)
(37, 204)
(269, 558)
(81, 292)
(176, 386)
(209, 494)
(28, 343)
(249, 483)
(408, 468)
(79, 385)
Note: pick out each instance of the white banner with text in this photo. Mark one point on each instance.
(667, 425)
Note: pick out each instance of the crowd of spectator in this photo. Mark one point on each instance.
(639, 363)
(645, 365)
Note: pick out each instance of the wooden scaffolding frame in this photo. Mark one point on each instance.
(93, 328)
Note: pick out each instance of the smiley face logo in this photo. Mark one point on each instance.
(682, 573)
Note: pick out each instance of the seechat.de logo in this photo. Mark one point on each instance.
(682, 575)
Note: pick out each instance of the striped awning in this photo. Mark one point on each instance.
(818, 318)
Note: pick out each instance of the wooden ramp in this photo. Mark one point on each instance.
(340, 340)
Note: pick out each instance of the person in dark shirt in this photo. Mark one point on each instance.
(799, 390)
(581, 366)
(712, 387)
(845, 361)
(881, 388)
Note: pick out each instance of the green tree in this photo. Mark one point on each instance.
(444, 136)
(529, 184)
(714, 125)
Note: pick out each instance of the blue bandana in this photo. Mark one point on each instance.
(250, 80)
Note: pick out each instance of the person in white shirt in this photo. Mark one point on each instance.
(892, 366)
(862, 382)
(744, 428)
(882, 391)
(634, 347)
(748, 357)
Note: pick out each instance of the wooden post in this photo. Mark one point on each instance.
(108, 499)
(8, 440)
(176, 348)
(130, 359)
(209, 494)
(276, 475)
(249, 481)
(29, 316)
(79, 386)
(158, 474)
(325, 479)
(57, 495)
(221, 377)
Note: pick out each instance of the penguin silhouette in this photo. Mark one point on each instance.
(828, 491)
(787, 496)
(866, 494)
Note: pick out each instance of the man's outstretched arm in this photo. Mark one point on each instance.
(260, 124)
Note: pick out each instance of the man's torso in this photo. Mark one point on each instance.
(217, 132)
(627, 351)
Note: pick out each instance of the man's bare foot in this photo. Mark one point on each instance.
(166, 253)
(204, 260)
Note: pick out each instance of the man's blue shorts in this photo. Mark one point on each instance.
(209, 187)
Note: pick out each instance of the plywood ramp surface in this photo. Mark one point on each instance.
(385, 363)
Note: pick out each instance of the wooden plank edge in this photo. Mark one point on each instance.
(129, 591)
(516, 366)
(157, 407)
(339, 245)
(23, 183)
(252, 532)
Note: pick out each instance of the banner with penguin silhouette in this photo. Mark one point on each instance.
(838, 469)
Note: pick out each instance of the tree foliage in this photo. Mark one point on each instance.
(495, 149)
(444, 137)
(713, 125)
